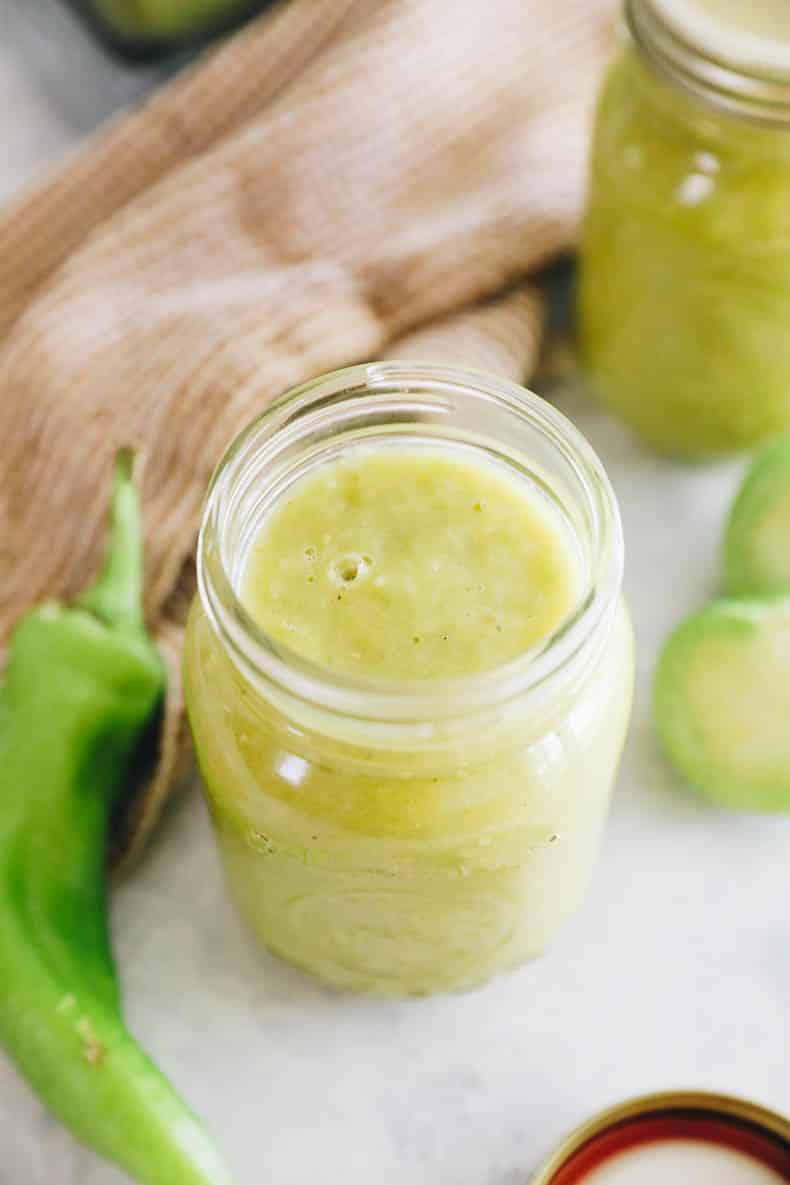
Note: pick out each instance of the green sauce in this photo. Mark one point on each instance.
(685, 278)
(410, 564)
(431, 854)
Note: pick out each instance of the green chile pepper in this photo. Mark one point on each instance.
(81, 685)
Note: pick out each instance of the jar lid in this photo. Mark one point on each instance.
(693, 1137)
(748, 35)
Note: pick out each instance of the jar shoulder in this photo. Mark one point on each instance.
(231, 722)
(665, 153)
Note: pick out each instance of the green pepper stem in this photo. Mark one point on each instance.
(117, 595)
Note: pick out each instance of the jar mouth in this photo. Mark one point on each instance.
(319, 421)
(748, 76)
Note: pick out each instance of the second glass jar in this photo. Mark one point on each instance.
(685, 263)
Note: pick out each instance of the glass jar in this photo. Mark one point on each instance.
(685, 262)
(408, 837)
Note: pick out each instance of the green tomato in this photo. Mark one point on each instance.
(757, 537)
(155, 19)
(722, 702)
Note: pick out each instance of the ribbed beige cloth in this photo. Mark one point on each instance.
(344, 180)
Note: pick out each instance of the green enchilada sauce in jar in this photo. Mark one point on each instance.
(685, 265)
(408, 675)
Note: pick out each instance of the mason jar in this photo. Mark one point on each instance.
(395, 837)
(685, 260)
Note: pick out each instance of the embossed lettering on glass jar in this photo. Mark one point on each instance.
(408, 837)
(685, 263)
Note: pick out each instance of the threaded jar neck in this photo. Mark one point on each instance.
(740, 68)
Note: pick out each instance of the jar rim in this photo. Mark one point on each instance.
(261, 658)
(676, 48)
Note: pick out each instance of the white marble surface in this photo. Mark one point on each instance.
(675, 974)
